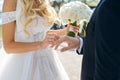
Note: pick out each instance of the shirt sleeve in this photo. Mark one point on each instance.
(81, 45)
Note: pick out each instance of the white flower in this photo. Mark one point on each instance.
(76, 11)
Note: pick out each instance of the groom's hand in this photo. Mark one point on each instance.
(73, 43)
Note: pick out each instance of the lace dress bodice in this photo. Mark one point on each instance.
(36, 30)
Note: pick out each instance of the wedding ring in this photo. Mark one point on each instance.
(50, 38)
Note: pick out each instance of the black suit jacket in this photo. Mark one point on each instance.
(101, 49)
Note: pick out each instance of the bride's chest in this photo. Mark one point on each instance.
(35, 32)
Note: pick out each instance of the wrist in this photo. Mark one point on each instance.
(39, 45)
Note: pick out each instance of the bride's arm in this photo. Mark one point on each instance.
(8, 33)
(62, 32)
(59, 32)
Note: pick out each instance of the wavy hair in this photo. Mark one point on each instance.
(32, 8)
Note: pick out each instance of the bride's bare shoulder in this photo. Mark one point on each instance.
(9, 5)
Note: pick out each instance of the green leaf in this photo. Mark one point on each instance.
(71, 34)
(74, 23)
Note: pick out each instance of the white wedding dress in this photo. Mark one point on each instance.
(34, 65)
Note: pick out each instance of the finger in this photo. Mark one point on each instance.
(77, 27)
(57, 45)
(54, 44)
(76, 31)
(65, 49)
(50, 38)
(56, 37)
(57, 42)
(53, 37)
(50, 42)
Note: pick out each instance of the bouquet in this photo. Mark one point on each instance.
(75, 11)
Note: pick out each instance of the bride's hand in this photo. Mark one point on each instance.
(75, 28)
(49, 39)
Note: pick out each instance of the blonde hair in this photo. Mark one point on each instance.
(32, 8)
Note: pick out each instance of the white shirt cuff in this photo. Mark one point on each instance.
(81, 45)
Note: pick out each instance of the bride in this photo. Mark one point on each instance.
(26, 53)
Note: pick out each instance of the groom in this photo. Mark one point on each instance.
(101, 46)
